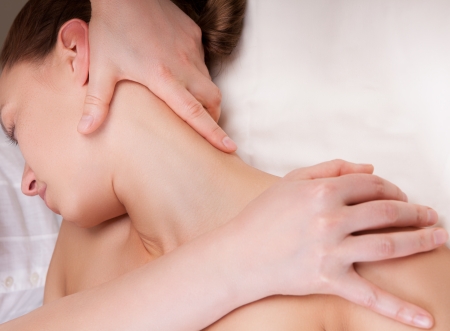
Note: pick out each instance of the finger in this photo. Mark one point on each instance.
(363, 293)
(208, 94)
(359, 188)
(201, 66)
(387, 213)
(328, 169)
(382, 246)
(192, 112)
(98, 98)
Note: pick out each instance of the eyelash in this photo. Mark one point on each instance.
(10, 135)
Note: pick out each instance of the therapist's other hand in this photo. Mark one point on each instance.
(305, 243)
(155, 44)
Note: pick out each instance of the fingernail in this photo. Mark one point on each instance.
(440, 236)
(432, 217)
(230, 144)
(422, 321)
(85, 123)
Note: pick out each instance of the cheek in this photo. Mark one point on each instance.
(42, 153)
(77, 179)
(46, 140)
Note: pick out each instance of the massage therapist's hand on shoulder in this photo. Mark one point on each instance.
(163, 51)
(301, 233)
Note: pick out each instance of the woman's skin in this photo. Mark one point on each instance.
(152, 153)
(87, 257)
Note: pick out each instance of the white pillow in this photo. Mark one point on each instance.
(28, 232)
(366, 81)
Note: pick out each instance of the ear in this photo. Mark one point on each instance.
(73, 43)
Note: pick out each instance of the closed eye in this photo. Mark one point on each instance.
(10, 134)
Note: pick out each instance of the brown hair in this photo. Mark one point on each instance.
(35, 30)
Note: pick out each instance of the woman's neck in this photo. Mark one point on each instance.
(173, 183)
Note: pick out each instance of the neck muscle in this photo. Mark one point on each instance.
(174, 185)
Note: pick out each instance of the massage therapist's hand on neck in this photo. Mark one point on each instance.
(155, 44)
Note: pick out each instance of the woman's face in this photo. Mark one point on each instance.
(40, 107)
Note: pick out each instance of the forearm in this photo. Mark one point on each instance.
(186, 289)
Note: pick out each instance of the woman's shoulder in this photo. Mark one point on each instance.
(423, 279)
(277, 313)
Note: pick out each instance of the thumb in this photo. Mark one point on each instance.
(96, 104)
(328, 169)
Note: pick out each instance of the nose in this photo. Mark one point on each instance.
(29, 185)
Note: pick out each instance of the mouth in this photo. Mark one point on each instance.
(41, 193)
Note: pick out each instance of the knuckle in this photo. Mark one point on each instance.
(338, 163)
(93, 100)
(379, 187)
(422, 215)
(424, 243)
(217, 97)
(327, 224)
(400, 313)
(324, 282)
(163, 72)
(324, 190)
(369, 300)
(196, 32)
(293, 175)
(194, 45)
(390, 212)
(325, 262)
(217, 132)
(386, 247)
(185, 58)
(194, 110)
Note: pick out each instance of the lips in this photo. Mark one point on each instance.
(42, 191)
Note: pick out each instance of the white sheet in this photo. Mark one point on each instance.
(366, 81)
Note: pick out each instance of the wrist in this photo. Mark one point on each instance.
(239, 264)
(226, 270)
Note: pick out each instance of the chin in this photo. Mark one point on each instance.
(88, 211)
(52, 208)
(80, 221)
(75, 214)
(85, 220)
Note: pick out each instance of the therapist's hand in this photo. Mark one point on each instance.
(316, 216)
(153, 43)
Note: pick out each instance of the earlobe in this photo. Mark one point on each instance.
(74, 40)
